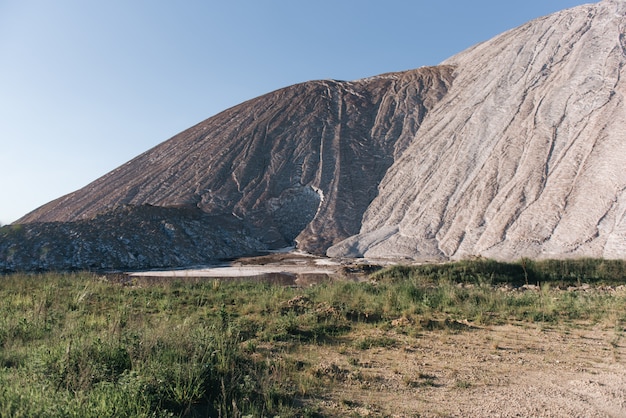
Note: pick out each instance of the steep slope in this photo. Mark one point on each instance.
(523, 157)
(302, 163)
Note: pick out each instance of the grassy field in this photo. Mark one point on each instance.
(84, 345)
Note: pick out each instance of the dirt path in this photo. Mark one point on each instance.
(502, 371)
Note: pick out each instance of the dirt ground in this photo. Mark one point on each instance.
(515, 370)
(498, 371)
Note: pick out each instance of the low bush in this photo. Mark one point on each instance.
(524, 271)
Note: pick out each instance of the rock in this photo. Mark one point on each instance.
(127, 238)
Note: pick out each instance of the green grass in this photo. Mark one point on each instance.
(83, 345)
(524, 271)
(474, 290)
(77, 345)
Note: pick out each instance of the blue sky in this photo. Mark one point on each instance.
(87, 85)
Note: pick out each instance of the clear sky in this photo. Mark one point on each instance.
(86, 85)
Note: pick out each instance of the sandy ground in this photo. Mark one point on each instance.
(238, 271)
(501, 371)
(287, 263)
(285, 268)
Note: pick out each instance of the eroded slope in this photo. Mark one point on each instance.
(523, 157)
(299, 164)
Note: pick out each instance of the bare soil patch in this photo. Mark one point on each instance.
(505, 371)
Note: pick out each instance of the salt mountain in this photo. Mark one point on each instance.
(513, 148)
